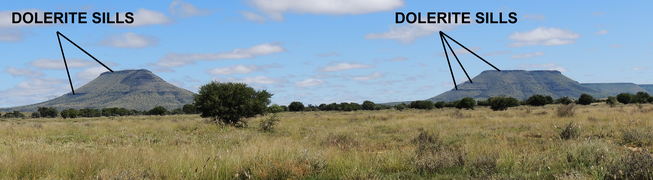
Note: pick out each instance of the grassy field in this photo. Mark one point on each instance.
(521, 143)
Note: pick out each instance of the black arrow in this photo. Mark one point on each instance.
(442, 38)
(66, 64)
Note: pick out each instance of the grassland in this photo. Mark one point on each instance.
(521, 143)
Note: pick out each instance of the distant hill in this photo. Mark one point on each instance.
(648, 87)
(615, 88)
(130, 89)
(519, 84)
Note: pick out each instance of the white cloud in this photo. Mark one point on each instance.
(240, 69)
(548, 66)
(601, 32)
(409, 33)
(47, 63)
(344, 66)
(16, 72)
(129, 40)
(459, 51)
(253, 16)
(496, 53)
(275, 8)
(173, 59)
(163, 70)
(253, 80)
(91, 73)
(34, 90)
(328, 54)
(185, 9)
(145, 17)
(11, 35)
(543, 36)
(638, 68)
(400, 58)
(534, 17)
(372, 76)
(310, 82)
(527, 55)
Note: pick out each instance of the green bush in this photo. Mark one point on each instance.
(36, 115)
(467, 103)
(612, 101)
(159, 110)
(563, 100)
(275, 108)
(624, 98)
(48, 112)
(640, 97)
(569, 132)
(368, 105)
(440, 104)
(585, 99)
(400, 107)
(296, 106)
(502, 103)
(536, 100)
(422, 105)
(267, 125)
(189, 109)
(230, 103)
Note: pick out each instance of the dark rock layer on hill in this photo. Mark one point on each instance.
(519, 84)
(130, 89)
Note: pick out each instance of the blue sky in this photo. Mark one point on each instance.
(322, 51)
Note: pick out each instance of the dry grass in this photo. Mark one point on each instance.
(452, 144)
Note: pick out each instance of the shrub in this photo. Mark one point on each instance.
(230, 103)
(400, 107)
(275, 108)
(467, 103)
(296, 106)
(569, 132)
(624, 98)
(368, 105)
(177, 111)
(267, 125)
(636, 165)
(432, 155)
(640, 97)
(563, 100)
(48, 112)
(636, 137)
(612, 101)
(566, 110)
(502, 103)
(585, 99)
(536, 100)
(159, 110)
(36, 115)
(189, 109)
(422, 105)
(440, 104)
(549, 100)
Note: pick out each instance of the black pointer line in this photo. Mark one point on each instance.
(58, 33)
(461, 65)
(445, 53)
(442, 33)
(64, 62)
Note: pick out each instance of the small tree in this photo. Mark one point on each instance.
(189, 109)
(230, 103)
(440, 104)
(563, 100)
(502, 103)
(36, 115)
(422, 105)
(368, 105)
(159, 110)
(640, 97)
(624, 98)
(536, 100)
(275, 108)
(585, 99)
(611, 101)
(400, 107)
(467, 103)
(296, 106)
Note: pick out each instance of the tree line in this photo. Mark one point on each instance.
(50, 112)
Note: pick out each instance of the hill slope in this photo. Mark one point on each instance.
(615, 88)
(130, 89)
(648, 87)
(519, 84)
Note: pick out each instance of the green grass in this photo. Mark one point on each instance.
(521, 143)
